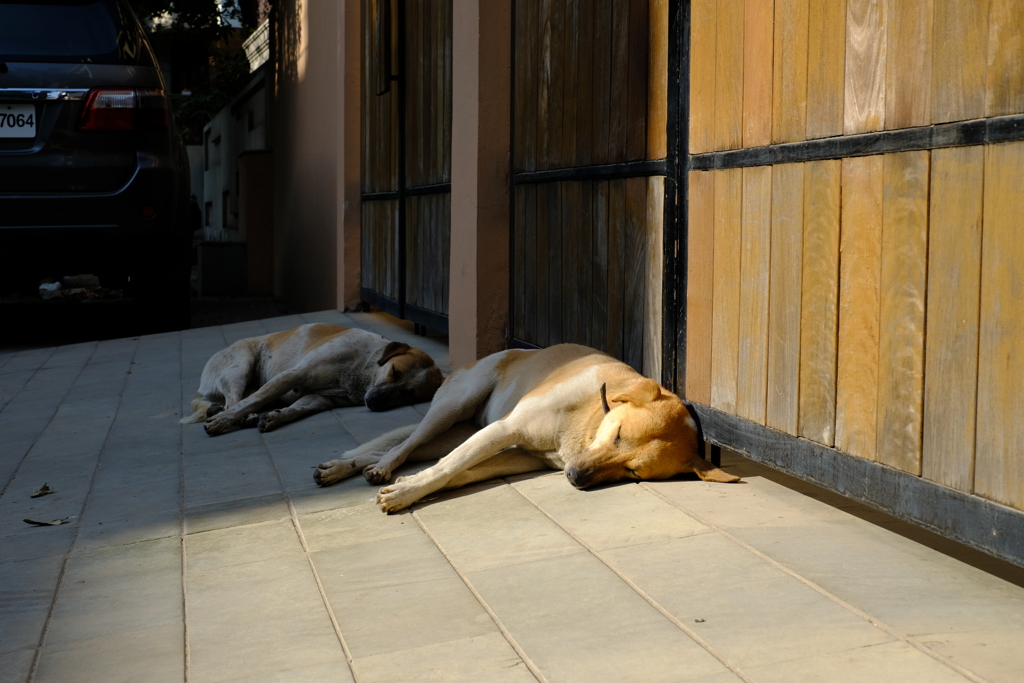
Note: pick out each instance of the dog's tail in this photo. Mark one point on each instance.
(383, 443)
(199, 408)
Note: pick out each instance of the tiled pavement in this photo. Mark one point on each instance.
(217, 559)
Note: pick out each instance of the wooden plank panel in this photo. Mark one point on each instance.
(703, 39)
(959, 54)
(582, 277)
(755, 266)
(534, 212)
(417, 218)
(700, 281)
(611, 116)
(556, 212)
(784, 297)
(547, 204)
(599, 299)
(908, 63)
(636, 263)
(530, 67)
(523, 216)
(789, 84)
(572, 295)
(826, 61)
(521, 86)
(636, 101)
(657, 94)
(616, 266)
(585, 57)
(819, 302)
(413, 95)
(999, 456)
(554, 35)
(570, 83)
(1005, 74)
(726, 289)
(544, 76)
(655, 275)
(864, 97)
(758, 36)
(447, 122)
(951, 336)
(860, 243)
(901, 311)
(728, 116)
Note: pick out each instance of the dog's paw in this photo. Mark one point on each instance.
(377, 475)
(249, 421)
(218, 424)
(333, 471)
(214, 409)
(396, 497)
(270, 420)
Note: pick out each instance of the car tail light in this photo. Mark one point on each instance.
(124, 109)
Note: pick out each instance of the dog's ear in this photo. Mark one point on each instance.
(708, 472)
(644, 391)
(391, 350)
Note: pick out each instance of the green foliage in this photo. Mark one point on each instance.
(204, 55)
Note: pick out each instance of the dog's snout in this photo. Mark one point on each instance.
(375, 401)
(573, 475)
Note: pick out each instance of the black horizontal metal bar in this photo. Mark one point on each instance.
(440, 188)
(626, 169)
(421, 316)
(379, 196)
(960, 134)
(520, 344)
(972, 520)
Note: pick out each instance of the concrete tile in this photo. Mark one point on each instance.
(152, 654)
(366, 425)
(886, 662)
(907, 585)
(995, 655)
(15, 666)
(284, 322)
(408, 615)
(482, 658)
(318, 673)
(258, 621)
(241, 545)
(30, 359)
(28, 542)
(144, 526)
(244, 330)
(401, 559)
(609, 516)
(11, 383)
(230, 475)
(578, 621)
(754, 613)
(26, 594)
(514, 531)
(72, 355)
(235, 512)
(118, 590)
(353, 526)
(723, 677)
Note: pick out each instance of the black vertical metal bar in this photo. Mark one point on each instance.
(400, 77)
(682, 251)
(670, 282)
(510, 322)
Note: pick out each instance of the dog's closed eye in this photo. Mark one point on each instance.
(618, 436)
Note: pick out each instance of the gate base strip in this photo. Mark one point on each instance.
(982, 524)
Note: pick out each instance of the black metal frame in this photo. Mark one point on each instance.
(419, 316)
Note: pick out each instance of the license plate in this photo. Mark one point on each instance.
(17, 121)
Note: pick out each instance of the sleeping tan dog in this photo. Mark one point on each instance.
(566, 407)
(307, 370)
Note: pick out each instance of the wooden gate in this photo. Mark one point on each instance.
(406, 158)
(589, 166)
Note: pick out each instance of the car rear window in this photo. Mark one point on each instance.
(80, 31)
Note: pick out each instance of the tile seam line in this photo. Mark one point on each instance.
(85, 502)
(293, 515)
(186, 652)
(3, 491)
(877, 623)
(34, 373)
(675, 621)
(516, 647)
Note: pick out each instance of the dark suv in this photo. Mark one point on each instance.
(93, 177)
